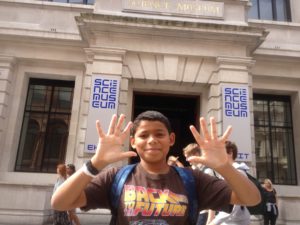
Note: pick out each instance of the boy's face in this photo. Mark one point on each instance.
(152, 141)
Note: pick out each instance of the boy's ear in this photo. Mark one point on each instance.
(132, 142)
(172, 139)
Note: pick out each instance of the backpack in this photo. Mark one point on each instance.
(260, 208)
(185, 175)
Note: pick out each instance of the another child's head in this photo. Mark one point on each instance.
(232, 149)
(192, 149)
(150, 116)
(61, 170)
(70, 169)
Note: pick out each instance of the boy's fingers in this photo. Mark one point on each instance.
(204, 129)
(119, 124)
(213, 128)
(126, 130)
(99, 129)
(128, 154)
(112, 124)
(226, 133)
(196, 135)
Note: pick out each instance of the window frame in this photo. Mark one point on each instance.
(52, 121)
(274, 11)
(292, 153)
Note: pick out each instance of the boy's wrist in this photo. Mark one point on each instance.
(88, 170)
(226, 168)
(98, 164)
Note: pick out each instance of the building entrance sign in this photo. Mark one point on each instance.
(236, 113)
(102, 105)
(202, 9)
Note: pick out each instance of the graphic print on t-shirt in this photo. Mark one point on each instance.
(149, 222)
(151, 202)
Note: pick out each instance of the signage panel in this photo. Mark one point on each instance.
(102, 105)
(206, 9)
(236, 113)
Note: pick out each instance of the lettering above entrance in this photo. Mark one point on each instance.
(196, 8)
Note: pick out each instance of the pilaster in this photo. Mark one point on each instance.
(7, 64)
(103, 61)
(230, 71)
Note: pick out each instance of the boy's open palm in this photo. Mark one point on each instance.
(110, 145)
(213, 151)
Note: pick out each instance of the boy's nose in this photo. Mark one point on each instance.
(152, 138)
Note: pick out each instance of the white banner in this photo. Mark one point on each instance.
(236, 113)
(103, 104)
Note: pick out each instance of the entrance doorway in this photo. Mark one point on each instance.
(182, 112)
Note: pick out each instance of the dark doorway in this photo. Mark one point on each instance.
(182, 111)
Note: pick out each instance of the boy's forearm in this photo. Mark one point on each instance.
(70, 194)
(244, 192)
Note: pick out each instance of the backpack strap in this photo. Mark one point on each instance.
(118, 184)
(189, 183)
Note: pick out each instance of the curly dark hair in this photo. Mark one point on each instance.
(150, 116)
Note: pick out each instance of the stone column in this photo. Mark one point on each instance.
(230, 70)
(104, 61)
(7, 77)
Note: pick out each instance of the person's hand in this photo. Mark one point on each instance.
(109, 149)
(212, 148)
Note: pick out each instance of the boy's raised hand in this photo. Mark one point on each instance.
(110, 145)
(213, 151)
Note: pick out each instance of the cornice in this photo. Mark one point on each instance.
(92, 25)
(95, 19)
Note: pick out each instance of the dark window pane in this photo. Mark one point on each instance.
(76, 1)
(38, 98)
(64, 1)
(270, 10)
(62, 99)
(45, 126)
(281, 10)
(265, 9)
(253, 11)
(56, 141)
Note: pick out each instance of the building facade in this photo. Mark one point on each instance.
(65, 63)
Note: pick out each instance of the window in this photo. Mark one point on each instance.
(86, 2)
(274, 144)
(278, 10)
(45, 127)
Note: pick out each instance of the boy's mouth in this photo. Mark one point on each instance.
(152, 149)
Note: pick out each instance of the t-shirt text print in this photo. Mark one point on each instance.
(149, 202)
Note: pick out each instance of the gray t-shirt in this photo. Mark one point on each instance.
(156, 198)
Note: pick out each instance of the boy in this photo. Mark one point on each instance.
(239, 214)
(154, 192)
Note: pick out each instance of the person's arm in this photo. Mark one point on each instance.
(276, 198)
(179, 164)
(214, 155)
(210, 217)
(71, 193)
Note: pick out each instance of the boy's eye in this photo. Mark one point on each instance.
(160, 134)
(143, 136)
